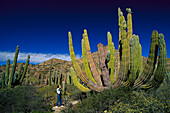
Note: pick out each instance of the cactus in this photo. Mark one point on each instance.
(50, 73)
(56, 76)
(103, 65)
(13, 67)
(149, 67)
(59, 77)
(77, 68)
(91, 60)
(131, 73)
(64, 86)
(111, 48)
(7, 71)
(19, 71)
(68, 78)
(3, 80)
(76, 82)
(25, 69)
(85, 62)
(13, 78)
(161, 68)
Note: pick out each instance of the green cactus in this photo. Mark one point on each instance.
(3, 80)
(92, 64)
(13, 67)
(19, 71)
(85, 62)
(149, 67)
(7, 71)
(161, 68)
(25, 69)
(131, 73)
(68, 78)
(111, 48)
(76, 82)
(15, 78)
(11, 76)
(77, 68)
(56, 76)
(50, 73)
(63, 87)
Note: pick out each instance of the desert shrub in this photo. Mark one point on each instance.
(123, 100)
(49, 94)
(22, 99)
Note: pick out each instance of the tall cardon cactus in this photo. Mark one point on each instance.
(130, 67)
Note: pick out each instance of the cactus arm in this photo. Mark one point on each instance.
(59, 77)
(56, 76)
(74, 60)
(111, 48)
(129, 23)
(78, 70)
(3, 79)
(85, 63)
(50, 73)
(149, 67)
(92, 64)
(76, 82)
(161, 68)
(13, 67)
(25, 69)
(7, 71)
(68, 78)
(15, 77)
(103, 67)
(11, 77)
(124, 64)
(134, 62)
(19, 71)
(140, 66)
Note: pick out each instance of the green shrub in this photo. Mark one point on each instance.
(22, 99)
(123, 100)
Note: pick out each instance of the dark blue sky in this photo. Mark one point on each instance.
(41, 26)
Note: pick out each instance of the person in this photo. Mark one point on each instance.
(59, 99)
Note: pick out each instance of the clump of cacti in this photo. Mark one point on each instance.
(14, 78)
(130, 67)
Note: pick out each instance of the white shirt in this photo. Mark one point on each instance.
(58, 91)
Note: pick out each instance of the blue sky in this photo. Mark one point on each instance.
(40, 27)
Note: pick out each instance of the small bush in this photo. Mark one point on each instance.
(22, 99)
